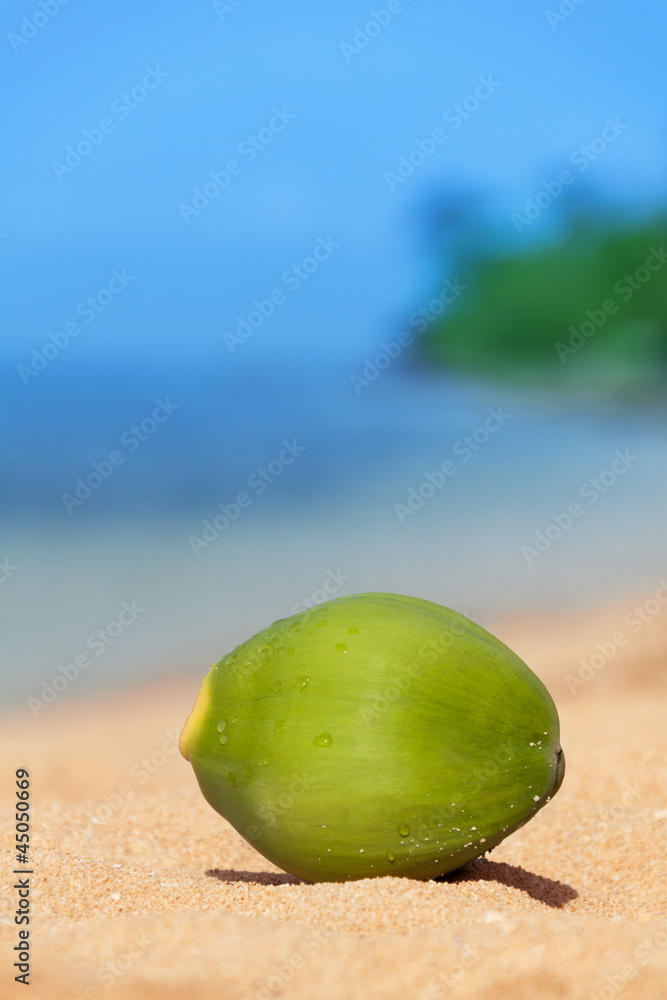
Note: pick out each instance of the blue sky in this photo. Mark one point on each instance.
(221, 75)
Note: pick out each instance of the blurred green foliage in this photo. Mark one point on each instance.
(588, 309)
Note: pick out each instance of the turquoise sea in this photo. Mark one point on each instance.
(208, 508)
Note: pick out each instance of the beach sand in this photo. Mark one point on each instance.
(140, 890)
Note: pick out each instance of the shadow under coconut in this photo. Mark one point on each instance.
(260, 878)
(544, 890)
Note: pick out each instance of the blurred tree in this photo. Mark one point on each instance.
(589, 308)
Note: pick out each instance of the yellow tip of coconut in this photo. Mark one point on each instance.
(194, 719)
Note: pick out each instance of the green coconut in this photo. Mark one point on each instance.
(374, 735)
